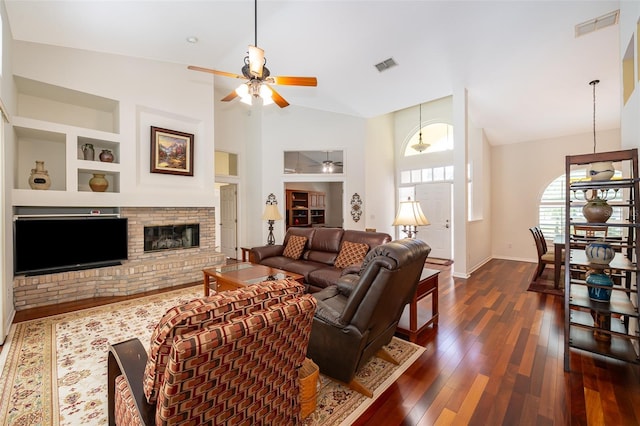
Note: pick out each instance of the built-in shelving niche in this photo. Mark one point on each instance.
(628, 68)
(52, 124)
(55, 104)
(40, 145)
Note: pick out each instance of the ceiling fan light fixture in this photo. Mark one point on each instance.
(256, 61)
(327, 167)
(266, 94)
(258, 76)
(242, 90)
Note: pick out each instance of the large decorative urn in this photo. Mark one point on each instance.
(106, 156)
(601, 170)
(599, 252)
(602, 293)
(597, 210)
(39, 178)
(98, 183)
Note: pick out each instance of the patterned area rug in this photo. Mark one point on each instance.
(437, 261)
(54, 369)
(544, 284)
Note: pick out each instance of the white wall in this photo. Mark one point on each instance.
(630, 113)
(479, 229)
(261, 135)
(150, 93)
(6, 181)
(379, 204)
(520, 174)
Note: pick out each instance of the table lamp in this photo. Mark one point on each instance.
(271, 214)
(410, 216)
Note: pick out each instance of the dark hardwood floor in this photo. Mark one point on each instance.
(496, 358)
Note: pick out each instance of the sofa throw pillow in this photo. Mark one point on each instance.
(351, 254)
(295, 246)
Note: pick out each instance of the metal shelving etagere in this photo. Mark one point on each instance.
(610, 328)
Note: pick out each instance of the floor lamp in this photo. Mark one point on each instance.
(410, 216)
(271, 214)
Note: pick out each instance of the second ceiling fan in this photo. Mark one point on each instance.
(258, 76)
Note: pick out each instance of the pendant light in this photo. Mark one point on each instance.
(420, 146)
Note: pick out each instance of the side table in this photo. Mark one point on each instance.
(418, 320)
(246, 254)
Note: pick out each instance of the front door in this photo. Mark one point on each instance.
(435, 200)
(228, 220)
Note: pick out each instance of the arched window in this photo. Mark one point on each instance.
(552, 207)
(439, 137)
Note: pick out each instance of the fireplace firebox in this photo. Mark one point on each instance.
(171, 237)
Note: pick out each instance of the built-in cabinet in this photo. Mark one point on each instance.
(305, 208)
(608, 328)
(52, 124)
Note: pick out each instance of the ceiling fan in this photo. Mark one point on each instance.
(329, 165)
(258, 76)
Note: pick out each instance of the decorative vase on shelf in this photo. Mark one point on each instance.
(98, 182)
(599, 252)
(88, 152)
(106, 156)
(601, 170)
(597, 210)
(39, 178)
(599, 294)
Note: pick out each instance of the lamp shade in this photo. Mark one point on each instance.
(271, 212)
(410, 214)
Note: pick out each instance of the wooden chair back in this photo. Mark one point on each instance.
(541, 243)
(590, 231)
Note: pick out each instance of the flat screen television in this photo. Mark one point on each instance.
(49, 245)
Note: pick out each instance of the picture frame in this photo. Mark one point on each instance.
(171, 152)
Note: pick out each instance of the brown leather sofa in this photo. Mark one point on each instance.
(321, 249)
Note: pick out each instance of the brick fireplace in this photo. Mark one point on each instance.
(143, 271)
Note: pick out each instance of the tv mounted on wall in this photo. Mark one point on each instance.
(49, 245)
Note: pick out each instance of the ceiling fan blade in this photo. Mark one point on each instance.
(222, 73)
(295, 81)
(279, 100)
(231, 96)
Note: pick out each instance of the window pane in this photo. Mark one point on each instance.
(405, 192)
(448, 173)
(416, 176)
(551, 211)
(405, 176)
(438, 174)
(427, 175)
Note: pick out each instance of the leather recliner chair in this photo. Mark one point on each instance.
(356, 317)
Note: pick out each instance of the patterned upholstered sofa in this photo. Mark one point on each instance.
(321, 255)
(230, 358)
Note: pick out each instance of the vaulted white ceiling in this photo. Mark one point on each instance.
(525, 71)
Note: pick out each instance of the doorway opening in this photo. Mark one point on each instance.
(313, 204)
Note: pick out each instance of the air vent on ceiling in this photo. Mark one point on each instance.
(386, 64)
(598, 23)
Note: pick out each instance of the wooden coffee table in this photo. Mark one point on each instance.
(230, 277)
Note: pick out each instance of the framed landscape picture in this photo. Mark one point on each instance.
(171, 152)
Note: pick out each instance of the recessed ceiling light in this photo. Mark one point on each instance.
(598, 23)
(192, 39)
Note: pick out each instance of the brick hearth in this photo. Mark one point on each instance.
(141, 272)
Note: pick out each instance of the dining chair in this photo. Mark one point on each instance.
(545, 256)
(590, 231)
